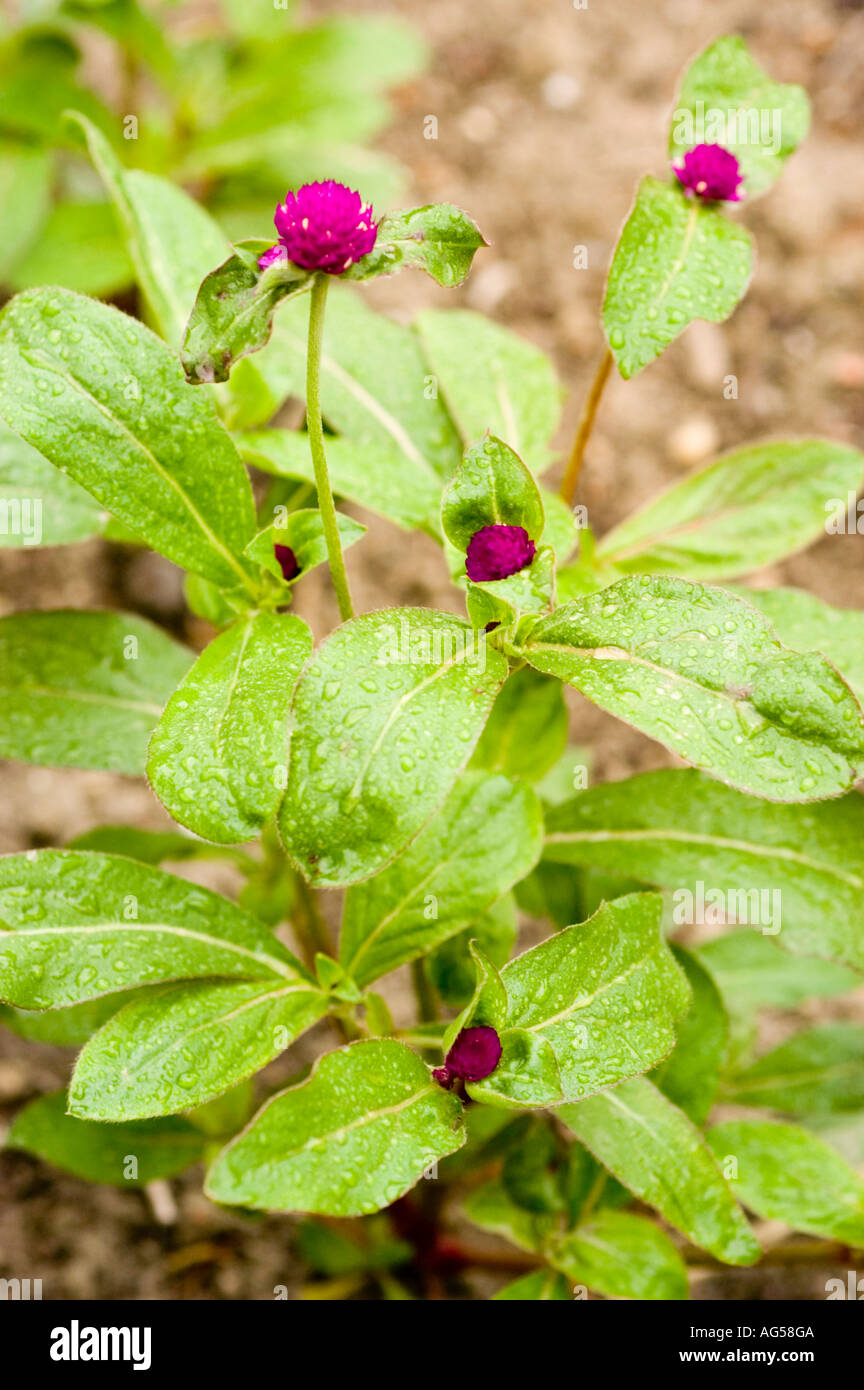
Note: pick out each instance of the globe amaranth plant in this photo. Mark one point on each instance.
(418, 762)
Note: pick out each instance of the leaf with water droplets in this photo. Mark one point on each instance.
(356, 1135)
(492, 487)
(83, 925)
(621, 1256)
(491, 379)
(689, 1077)
(39, 505)
(806, 623)
(181, 1045)
(677, 259)
(598, 1000)
(784, 1173)
(727, 99)
(794, 872)
(84, 689)
(439, 238)
(701, 671)
(129, 1155)
(385, 716)
(486, 836)
(104, 400)
(303, 533)
(750, 508)
(658, 1153)
(217, 759)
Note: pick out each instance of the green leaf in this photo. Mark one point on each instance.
(492, 380)
(375, 383)
(598, 999)
(38, 505)
(487, 1005)
(752, 973)
(84, 689)
(451, 965)
(491, 1207)
(186, 1043)
(727, 99)
(544, 1286)
(530, 590)
(621, 1256)
(171, 241)
(677, 260)
(690, 1076)
(26, 173)
(303, 532)
(351, 1139)
(102, 1153)
(124, 424)
(783, 1173)
(486, 836)
(372, 475)
(64, 1027)
(154, 846)
(83, 925)
(527, 730)
(233, 313)
(750, 508)
(440, 239)
(78, 248)
(805, 623)
(217, 758)
(680, 830)
(702, 672)
(654, 1150)
(386, 715)
(815, 1072)
(492, 487)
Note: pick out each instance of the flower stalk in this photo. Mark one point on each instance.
(315, 427)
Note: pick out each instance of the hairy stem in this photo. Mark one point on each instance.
(314, 425)
(425, 994)
(586, 424)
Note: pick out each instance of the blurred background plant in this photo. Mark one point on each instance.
(234, 102)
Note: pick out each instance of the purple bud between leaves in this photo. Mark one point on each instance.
(287, 562)
(495, 552)
(323, 226)
(712, 172)
(474, 1055)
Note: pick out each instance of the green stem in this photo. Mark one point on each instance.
(424, 992)
(316, 445)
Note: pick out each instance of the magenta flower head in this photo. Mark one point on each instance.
(323, 226)
(287, 562)
(712, 172)
(475, 1054)
(495, 552)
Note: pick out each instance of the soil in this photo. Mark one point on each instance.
(547, 115)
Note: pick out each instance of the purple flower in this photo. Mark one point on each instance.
(323, 226)
(287, 562)
(276, 253)
(712, 172)
(494, 552)
(475, 1054)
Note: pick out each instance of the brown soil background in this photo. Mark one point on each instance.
(547, 115)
